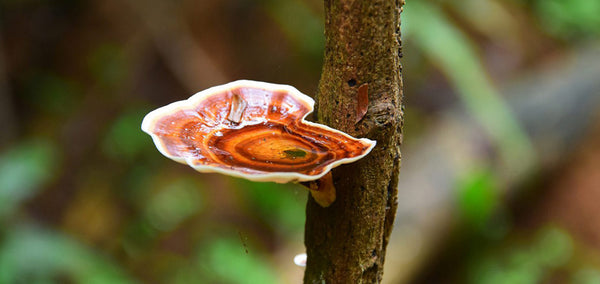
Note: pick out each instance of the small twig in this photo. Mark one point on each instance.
(243, 242)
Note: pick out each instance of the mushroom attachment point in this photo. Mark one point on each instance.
(254, 130)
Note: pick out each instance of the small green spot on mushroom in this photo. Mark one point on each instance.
(294, 153)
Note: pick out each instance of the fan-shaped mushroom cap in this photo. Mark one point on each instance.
(253, 130)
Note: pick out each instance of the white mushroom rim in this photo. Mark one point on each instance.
(152, 118)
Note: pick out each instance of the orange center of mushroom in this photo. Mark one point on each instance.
(268, 147)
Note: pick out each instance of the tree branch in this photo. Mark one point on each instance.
(346, 242)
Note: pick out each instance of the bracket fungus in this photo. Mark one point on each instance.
(257, 131)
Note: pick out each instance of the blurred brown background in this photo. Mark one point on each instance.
(500, 180)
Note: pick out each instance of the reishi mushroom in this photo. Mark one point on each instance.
(254, 130)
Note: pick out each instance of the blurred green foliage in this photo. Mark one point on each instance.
(24, 170)
(108, 65)
(531, 260)
(53, 94)
(86, 198)
(230, 264)
(299, 24)
(124, 141)
(478, 197)
(173, 204)
(570, 19)
(34, 255)
(280, 206)
(447, 47)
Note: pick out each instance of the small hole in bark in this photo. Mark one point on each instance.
(352, 82)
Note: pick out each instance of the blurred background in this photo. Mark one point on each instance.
(500, 179)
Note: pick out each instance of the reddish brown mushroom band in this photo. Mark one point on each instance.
(252, 130)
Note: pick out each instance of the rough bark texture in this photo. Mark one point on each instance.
(346, 242)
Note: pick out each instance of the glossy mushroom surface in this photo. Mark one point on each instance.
(253, 130)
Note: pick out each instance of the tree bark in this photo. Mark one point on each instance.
(346, 241)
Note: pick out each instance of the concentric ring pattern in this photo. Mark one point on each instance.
(253, 130)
